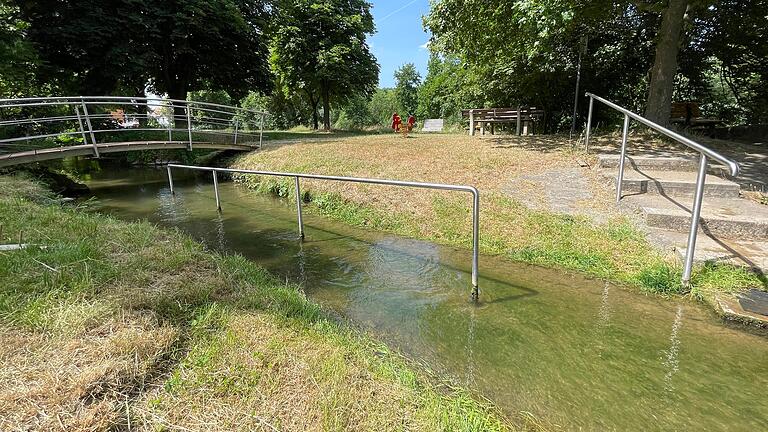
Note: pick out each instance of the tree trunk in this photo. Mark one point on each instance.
(179, 92)
(313, 103)
(326, 109)
(659, 104)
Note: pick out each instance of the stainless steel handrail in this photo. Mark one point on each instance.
(106, 99)
(704, 152)
(296, 176)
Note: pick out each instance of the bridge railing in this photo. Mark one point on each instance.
(30, 124)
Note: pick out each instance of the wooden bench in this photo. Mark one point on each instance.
(524, 118)
(688, 114)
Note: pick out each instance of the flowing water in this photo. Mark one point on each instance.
(573, 352)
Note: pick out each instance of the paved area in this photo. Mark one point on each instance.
(563, 190)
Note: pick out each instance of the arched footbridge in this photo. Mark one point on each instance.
(39, 129)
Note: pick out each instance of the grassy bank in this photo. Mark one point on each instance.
(514, 222)
(107, 324)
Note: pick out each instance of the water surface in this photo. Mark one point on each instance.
(574, 352)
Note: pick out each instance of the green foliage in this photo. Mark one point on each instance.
(407, 85)
(381, 106)
(527, 53)
(106, 46)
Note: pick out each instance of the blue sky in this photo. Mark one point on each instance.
(399, 37)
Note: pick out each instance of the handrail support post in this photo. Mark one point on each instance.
(475, 243)
(237, 124)
(620, 178)
(170, 180)
(298, 207)
(695, 216)
(216, 190)
(589, 123)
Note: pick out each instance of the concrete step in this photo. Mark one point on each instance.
(650, 162)
(720, 217)
(751, 254)
(675, 183)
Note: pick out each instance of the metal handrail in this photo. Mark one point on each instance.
(733, 167)
(77, 99)
(703, 151)
(296, 176)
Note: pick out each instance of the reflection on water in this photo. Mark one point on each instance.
(572, 351)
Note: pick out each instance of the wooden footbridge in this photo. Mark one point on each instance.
(39, 129)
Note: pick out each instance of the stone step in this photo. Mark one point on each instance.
(675, 183)
(720, 217)
(688, 163)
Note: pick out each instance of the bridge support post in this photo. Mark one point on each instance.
(237, 124)
(90, 128)
(80, 121)
(216, 190)
(189, 126)
(298, 207)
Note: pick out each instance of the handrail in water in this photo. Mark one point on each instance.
(296, 176)
(704, 152)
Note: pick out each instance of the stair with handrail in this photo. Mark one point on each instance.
(682, 195)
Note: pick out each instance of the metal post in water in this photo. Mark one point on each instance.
(189, 125)
(475, 242)
(620, 179)
(170, 180)
(80, 121)
(695, 215)
(90, 127)
(589, 123)
(216, 189)
(261, 130)
(298, 207)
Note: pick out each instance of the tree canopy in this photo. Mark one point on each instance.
(320, 49)
(527, 52)
(407, 85)
(107, 46)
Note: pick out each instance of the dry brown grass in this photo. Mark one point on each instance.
(269, 376)
(81, 381)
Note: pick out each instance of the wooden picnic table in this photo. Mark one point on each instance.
(523, 117)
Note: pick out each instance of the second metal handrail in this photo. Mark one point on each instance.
(704, 152)
(296, 176)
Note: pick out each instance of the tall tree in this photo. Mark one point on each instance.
(668, 41)
(320, 50)
(407, 86)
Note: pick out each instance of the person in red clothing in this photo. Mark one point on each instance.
(396, 122)
(411, 122)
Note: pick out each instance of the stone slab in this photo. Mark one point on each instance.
(433, 125)
(675, 183)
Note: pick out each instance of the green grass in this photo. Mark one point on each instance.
(217, 335)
